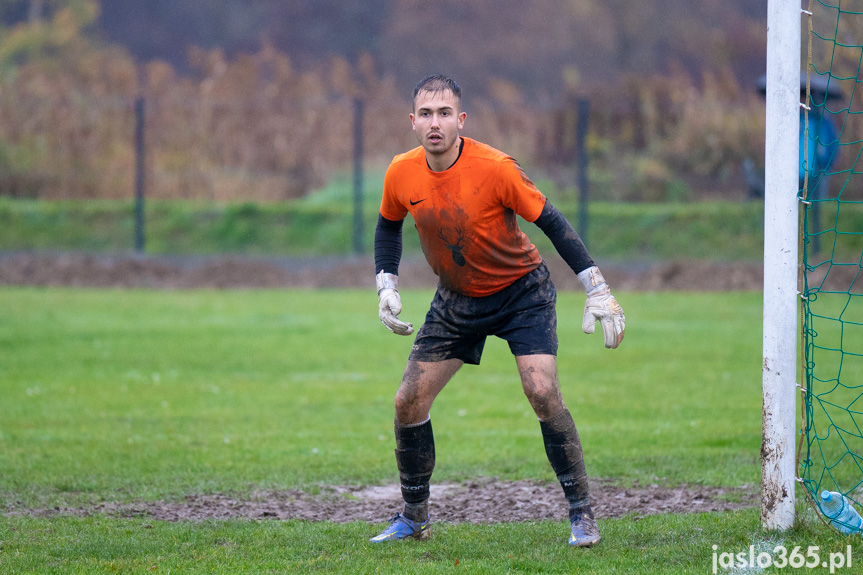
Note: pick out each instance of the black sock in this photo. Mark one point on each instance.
(415, 456)
(563, 448)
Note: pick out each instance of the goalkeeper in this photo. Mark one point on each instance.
(464, 197)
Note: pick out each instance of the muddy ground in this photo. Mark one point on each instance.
(229, 272)
(481, 501)
(249, 272)
(484, 500)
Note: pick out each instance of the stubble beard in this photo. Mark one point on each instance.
(439, 148)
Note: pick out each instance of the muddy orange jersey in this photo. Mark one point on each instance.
(466, 216)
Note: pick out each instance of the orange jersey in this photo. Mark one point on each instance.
(466, 216)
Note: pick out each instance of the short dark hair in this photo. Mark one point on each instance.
(436, 83)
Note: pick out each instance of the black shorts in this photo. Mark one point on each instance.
(523, 314)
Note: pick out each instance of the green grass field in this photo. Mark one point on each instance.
(120, 396)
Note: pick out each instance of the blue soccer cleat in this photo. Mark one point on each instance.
(584, 531)
(403, 528)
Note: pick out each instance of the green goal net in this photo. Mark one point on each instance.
(831, 193)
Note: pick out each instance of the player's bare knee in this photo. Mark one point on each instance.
(410, 408)
(546, 401)
(402, 403)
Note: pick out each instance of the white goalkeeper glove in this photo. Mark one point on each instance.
(390, 304)
(601, 306)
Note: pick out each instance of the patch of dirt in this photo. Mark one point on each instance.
(255, 272)
(232, 272)
(483, 501)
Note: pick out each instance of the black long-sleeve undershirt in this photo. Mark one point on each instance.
(388, 241)
(388, 245)
(564, 238)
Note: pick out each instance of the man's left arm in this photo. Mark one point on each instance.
(600, 304)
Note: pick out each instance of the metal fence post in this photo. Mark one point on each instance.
(581, 138)
(358, 175)
(140, 162)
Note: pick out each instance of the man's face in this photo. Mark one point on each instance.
(437, 121)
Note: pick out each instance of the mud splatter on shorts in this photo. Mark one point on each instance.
(523, 314)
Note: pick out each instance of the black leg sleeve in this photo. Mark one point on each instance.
(563, 448)
(415, 456)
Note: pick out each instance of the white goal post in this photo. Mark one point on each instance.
(779, 368)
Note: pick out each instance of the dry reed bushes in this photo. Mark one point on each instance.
(251, 128)
(255, 128)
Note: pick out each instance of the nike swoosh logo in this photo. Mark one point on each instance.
(413, 203)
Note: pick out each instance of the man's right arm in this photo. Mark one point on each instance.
(388, 255)
(388, 245)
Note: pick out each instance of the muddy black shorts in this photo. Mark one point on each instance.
(523, 314)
